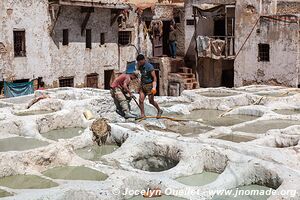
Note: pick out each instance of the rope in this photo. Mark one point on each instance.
(248, 37)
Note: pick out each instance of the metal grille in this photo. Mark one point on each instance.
(263, 52)
(19, 43)
(124, 37)
(190, 22)
(66, 82)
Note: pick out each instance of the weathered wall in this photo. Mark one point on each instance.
(31, 16)
(204, 26)
(46, 56)
(284, 46)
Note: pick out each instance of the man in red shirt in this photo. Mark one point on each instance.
(121, 93)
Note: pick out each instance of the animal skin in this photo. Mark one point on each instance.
(101, 129)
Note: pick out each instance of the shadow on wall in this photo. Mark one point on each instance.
(71, 19)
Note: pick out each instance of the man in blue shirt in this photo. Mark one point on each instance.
(148, 84)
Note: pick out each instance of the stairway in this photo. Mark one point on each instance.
(188, 78)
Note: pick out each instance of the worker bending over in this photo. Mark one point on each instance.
(121, 93)
(148, 84)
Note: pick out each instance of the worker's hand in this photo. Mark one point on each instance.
(133, 97)
(153, 91)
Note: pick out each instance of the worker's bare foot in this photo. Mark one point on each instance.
(142, 116)
(159, 113)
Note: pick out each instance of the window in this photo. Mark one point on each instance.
(88, 38)
(66, 82)
(190, 22)
(19, 44)
(263, 52)
(65, 37)
(102, 38)
(124, 37)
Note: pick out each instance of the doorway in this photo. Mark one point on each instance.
(92, 80)
(108, 78)
(166, 31)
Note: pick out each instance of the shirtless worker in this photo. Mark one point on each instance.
(121, 93)
(148, 84)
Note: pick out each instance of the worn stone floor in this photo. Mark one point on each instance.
(244, 137)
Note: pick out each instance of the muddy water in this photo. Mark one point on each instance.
(63, 133)
(264, 126)
(20, 144)
(26, 182)
(3, 193)
(75, 173)
(164, 197)
(235, 138)
(95, 152)
(211, 117)
(288, 111)
(198, 179)
(242, 190)
(38, 112)
(170, 104)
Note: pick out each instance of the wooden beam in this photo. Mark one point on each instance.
(56, 16)
(85, 21)
(114, 19)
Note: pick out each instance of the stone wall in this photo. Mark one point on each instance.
(282, 37)
(46, 56)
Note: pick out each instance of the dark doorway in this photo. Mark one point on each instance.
(166, 31)
(228, 73)
(219, 27)
(228, 78)
(107, 78)
(92, 80)
(21, 81)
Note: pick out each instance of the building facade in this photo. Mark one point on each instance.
(64, 43)
(247, 42)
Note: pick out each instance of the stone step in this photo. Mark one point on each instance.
(187, 75)
(189, 80)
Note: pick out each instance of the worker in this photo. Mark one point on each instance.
(121, 93)
(148, 84)
(173, 41)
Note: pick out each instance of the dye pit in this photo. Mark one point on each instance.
(26, 182)
(235, 138)
(75, 173)
(288, 111)
(198, 179)
(266, 125)
(214, 118)
(3, 193)
(20, 144)
(65, 133)
(154, 163)
(95, 152)
(217, 94)
(192, 154)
